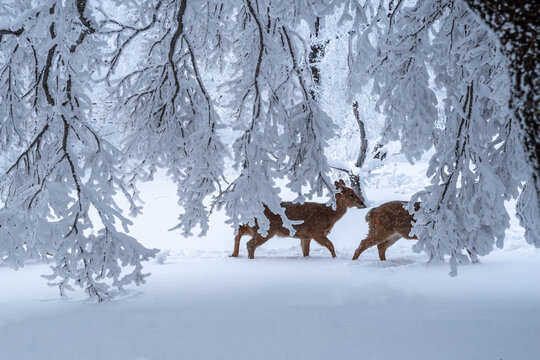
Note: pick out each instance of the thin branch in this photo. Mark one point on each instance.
(257, 102)
(199, 82)
(27, 151)
(89, 29)
(432, 18)
(363, 139)
(47, 68)
(172, 47)
(122, 47)
(11, 32)
(391, 17)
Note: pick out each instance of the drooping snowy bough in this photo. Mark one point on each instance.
(419, 53)
(516, 25)
(59, 168)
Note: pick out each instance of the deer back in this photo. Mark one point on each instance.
(391, 217)
(318, 219)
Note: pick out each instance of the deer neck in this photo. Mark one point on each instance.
(341, 209)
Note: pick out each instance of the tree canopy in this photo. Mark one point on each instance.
(156, 60)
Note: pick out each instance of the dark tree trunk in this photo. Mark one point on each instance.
(315, 54)
(363, 139)
(354, 179)
(516, 24)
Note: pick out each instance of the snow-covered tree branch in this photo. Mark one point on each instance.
(59, 168)
(515, 23)
(171, 122)
(478, 161)
(284, 131)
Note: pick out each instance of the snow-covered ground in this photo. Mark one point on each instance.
(201, 304)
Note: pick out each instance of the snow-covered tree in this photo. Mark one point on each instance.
(515, 23)
(172, 122)
(60, 172)
(172, 117)
(59, 169)
(419, 53)
(283, 130)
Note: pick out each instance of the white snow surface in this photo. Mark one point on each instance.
(201, 304)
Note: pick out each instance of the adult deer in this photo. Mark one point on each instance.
(387, 224)
(318, 219)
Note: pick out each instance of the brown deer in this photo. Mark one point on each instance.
(387, 224)
(318, 219)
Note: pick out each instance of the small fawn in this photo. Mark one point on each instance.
(387, 224)
(318, 219)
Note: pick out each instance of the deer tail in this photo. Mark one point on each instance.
(368, 215)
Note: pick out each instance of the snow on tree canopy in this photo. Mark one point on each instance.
(424, 52)
(177, 69)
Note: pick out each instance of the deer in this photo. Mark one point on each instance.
(318, 220)
(387, 224)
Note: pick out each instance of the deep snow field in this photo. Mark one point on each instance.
(200, 304)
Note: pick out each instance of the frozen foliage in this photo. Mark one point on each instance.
(283, 130)
(63, 173)
(61, 169)
(515, 23)
(171, 118)
(479, 160)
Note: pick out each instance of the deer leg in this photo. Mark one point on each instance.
(305, 246)
(371, 240)
(323, 241)
(382, 247)
(382, 250)
(256, 241)
(364, 245)
(237, 244)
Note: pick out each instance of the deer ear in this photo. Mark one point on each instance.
(342, 182)
(337, 185)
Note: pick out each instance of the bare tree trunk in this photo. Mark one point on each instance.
(354, 179)
(315, 54)
(363, 139)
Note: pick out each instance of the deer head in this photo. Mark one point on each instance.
(347, 197)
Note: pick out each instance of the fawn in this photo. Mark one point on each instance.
(387, 224)
(318, 221)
